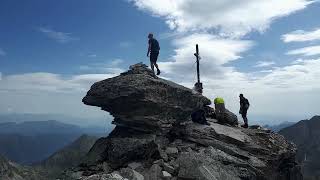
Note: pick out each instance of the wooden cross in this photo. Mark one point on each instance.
(198, 85)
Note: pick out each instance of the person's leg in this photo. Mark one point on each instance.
(156, 65)
(245, 119)
(155, 62)
(152, 62)
(152, 66)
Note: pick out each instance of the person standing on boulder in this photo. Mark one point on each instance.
(153, 51)
(244, 106)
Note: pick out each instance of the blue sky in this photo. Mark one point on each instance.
(52, 51)
(107, 29)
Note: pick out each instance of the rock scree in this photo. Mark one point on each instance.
(155, 139)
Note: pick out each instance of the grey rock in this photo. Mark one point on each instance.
(153, 127)
(154, 173)
(167, 167)
(12, 171)
(172, 151)
(119, 151)
(215, 131)
(159, 162)
(166, 175)
(230, 118)
(163, 155)
(134, 165)
(137, 99)
(131, 174)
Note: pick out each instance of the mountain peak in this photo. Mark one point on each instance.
(154, 137)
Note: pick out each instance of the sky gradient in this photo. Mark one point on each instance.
(51, 52)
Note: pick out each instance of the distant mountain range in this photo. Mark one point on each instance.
(278, 127)
(38, 127)
(67, 157)
(306, 135)
(50, 168)
(33, 141)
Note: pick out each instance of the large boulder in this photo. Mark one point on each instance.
(138, 99)
(154, 137)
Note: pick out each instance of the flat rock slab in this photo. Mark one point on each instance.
(200, 133)
(231, 133)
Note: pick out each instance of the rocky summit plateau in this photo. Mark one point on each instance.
(155, 139)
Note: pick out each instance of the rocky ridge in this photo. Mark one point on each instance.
(155, 139)
(306, 135)
(12, 171)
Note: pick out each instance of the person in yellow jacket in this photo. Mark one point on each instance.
(220, 108)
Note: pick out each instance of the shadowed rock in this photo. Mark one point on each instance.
(138, 99)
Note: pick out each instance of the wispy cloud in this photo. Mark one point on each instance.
(92, 55)
(301, 36)
(125, 44)
(2, 52)
(264, 63)
(109, 67)
(60, 37)
(306, 51)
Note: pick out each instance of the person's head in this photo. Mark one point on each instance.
(150, 36)
(241, 96)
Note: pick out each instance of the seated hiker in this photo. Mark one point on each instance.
(244, 106)
(153, 50)
(219, 109)
(198, 116)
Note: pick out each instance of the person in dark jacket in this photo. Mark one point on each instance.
(244, 106)
(153, 52)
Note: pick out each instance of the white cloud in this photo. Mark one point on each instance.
(301, 36)
(2, 52)
(107, 67)
(219, 27)
(48, 82)
(47, 93)
(214, 52)
(229, 17)
(292, 89)
(60, 37)
(264, 63)
(306, 51)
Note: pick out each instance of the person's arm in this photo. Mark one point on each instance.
(149, 48)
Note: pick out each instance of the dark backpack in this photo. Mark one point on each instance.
(155, 45)
(246, 103)
(199, 117)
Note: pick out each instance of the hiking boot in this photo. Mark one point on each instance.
(244, 126)
(158, 72)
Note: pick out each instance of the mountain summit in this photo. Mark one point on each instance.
(155, 139)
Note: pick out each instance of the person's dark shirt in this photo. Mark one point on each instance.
(244, 102)
(154, 45)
